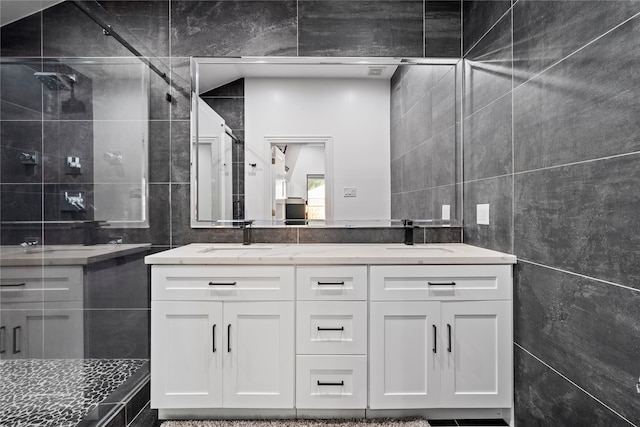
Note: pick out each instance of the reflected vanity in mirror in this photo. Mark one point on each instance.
(325, 141)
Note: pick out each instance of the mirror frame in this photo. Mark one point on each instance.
(372, 61)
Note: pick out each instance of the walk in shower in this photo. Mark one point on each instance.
(75, 121)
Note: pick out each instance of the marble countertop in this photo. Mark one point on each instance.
(323, 254)
(17, 256)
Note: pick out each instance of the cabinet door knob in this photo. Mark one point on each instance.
(229, 338)
(449, 334)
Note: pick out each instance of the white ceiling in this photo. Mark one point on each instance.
(13, 10)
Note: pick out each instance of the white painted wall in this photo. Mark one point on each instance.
(310, 160)
(355, 113)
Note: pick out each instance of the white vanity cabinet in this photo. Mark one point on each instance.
(222, 337)
(331, 330)
(331, 337)
(440, 337)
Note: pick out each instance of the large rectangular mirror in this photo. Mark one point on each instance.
(325, 141)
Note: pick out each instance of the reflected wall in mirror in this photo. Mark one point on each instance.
(386, 132)
(85, 125)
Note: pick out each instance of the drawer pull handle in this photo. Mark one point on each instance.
(331, 283)
(229, 338)
(16, 350)
(3, 339)
(341, 328)
(214, 337)
(222, 283)
(441, 283)
(449, 334)
(435, 340)
(341, 383)
(12, 285)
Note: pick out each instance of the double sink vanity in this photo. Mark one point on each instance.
(323, 330)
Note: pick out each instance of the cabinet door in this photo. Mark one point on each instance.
(186, 349)
(258, 355)
(477, 367)
(404, 355)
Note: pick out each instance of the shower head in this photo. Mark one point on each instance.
(56, 81)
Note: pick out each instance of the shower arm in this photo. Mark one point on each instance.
(108, 29)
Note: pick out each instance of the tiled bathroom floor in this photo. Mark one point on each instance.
(39, 393)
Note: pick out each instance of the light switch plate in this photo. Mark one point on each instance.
(446, 212)
(482, 214)
(350, 192)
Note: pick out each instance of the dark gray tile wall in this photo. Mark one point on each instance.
(551, 145)
(424, 141)
(173, 31)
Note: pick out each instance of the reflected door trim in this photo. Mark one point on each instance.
(327, 142)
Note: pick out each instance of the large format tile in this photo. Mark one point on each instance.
(233, 28)
(143, 25)
(582, 218)
(497, 192)
(117, 334)
(67, 138)
(180, 90)
(69, 32)
(180, 151)
(478, 17)
(585, 329)
(351, 235)
(585, 107)
(444, 152)
(487, 141)
(18, 138)
(159, 151)
(20, 93)
(545, 32)
(21, 38)
(488, 69)
(445, 99)
(545, 399)
(443, 30)
(360, 28)
(158, 231)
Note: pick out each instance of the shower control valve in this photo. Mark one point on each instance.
(73, 166)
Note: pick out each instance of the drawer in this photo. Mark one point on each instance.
(40, 284)
(189, 282)
(334, 382)
(332, 282)
(441, 282)
(328, 327)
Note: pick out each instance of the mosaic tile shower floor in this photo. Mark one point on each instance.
(39, 393)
